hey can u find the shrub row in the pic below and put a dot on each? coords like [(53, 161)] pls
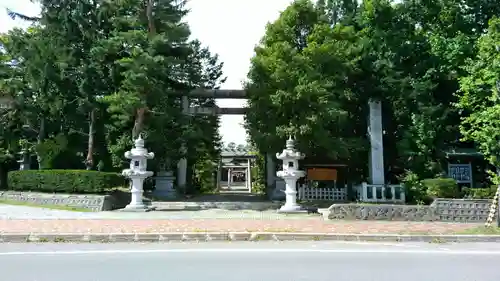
[(424, 191), (64, 181)]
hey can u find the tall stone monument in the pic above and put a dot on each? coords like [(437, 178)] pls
[(137, 173), (375, 134), (290, 174)]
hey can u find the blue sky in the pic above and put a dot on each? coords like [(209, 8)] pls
[(230, 28)]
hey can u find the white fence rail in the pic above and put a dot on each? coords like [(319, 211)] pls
[(329, 194), (380, 193), (370, 193)]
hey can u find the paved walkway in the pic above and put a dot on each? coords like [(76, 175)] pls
[(20, 219), (234, 225), (35, 213)]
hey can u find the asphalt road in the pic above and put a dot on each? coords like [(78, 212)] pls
[(247, 261)]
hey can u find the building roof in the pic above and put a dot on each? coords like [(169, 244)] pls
[(236, 152), (457, 152)]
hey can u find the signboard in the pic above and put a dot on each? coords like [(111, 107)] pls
[(462, 173), (322, 174)]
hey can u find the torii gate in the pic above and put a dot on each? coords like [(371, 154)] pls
[(188, 110), (375, 133)]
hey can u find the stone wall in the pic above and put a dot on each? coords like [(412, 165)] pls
[(466, 210), (448, 210), (95, 203)]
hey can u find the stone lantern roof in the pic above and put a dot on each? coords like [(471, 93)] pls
[(290, 152)]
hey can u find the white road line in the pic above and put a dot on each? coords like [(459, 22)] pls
[(263, 250), (403, 245)]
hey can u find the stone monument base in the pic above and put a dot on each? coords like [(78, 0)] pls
[(278, 192), (164, 187)]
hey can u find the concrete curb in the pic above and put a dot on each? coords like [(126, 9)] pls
[(236, 236)]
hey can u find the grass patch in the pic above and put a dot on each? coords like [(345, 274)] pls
[(481, 230), (53, 207)]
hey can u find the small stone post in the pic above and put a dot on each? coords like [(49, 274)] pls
[(290, 174), (137, 173), (24, 162)]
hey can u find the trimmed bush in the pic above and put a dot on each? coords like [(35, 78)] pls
[(481, 193), (441, 188), (64, 181)]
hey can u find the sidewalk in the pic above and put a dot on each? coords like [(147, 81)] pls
[(308, 225)]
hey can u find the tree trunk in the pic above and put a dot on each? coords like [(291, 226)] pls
[(149, 15), (89, 161), (139, 122), (141, 112), (40, 138)]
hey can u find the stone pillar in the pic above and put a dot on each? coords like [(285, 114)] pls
[(375, 133), (229, 177), (248, 175), (219, 175), (24, 162), (275, 185)]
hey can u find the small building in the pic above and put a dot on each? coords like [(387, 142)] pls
[(235, 169)]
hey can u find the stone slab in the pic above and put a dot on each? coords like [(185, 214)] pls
[(380, 212), (91, 202), (239, 236)]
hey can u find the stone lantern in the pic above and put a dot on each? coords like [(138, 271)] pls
[(290, 174), (137, 173)]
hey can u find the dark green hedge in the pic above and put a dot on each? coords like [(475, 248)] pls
[(64, 181)]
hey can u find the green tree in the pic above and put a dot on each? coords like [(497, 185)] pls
[(479, 96), (298, 82)]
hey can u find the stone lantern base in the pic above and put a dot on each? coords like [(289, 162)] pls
[(137, 209), (137, 203), (297, 209)]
